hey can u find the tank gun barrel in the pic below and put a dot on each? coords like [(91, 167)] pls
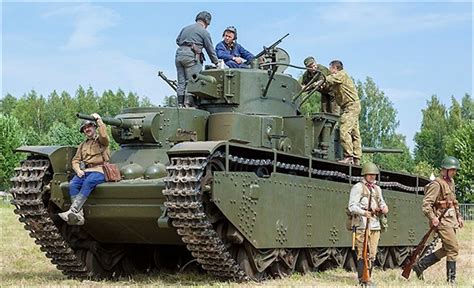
[(381, 150), (107, 120)]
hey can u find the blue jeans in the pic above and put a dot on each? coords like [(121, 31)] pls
[(85, 184)]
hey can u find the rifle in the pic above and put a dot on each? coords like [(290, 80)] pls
[(172, 83), (365, 257), (414, 255), (267, 49)]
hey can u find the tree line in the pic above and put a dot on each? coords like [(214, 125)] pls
[(33, 119)]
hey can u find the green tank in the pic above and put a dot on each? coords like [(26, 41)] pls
[(244, 185)]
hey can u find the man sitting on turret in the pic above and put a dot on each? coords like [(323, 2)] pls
[(232, 52)]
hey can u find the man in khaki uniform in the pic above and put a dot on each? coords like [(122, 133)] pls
[(313, 69), (87, 163), (440, 195), (344, 90), (359, 208)]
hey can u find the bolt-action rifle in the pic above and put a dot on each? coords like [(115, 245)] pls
[(419, 249), (365, 246)]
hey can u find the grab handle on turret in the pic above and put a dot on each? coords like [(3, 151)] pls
[(107, 120)]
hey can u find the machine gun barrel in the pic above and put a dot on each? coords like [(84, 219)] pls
[(107, 120), (265, 49), (205, 78), (171, 83), (381, 150)]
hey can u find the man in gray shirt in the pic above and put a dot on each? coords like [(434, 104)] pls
[(189, 56), (359, 208)]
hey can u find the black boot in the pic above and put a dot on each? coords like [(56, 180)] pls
[(180, 100), (424, 263), (360, 267), (451, 271)]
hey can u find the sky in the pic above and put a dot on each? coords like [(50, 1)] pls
[(411, 50)]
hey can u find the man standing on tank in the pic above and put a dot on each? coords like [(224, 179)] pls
[(343, 89), (359, 207), (232, 53), (87, 164), (440, 195), (314, 69), (189, 56)]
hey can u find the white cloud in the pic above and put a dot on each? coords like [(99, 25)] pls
[(89, 22)]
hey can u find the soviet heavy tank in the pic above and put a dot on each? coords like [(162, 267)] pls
[(244, 185)]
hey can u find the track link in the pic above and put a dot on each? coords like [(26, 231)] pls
[(29, 191), (186, 209)]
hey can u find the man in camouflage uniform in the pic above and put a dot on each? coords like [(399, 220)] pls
[(343, 89), (314, 69), (87, 164), (440, 195), (189, 55), (358, 207)]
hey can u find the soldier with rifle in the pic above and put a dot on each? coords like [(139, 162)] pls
[(441, 208), (366, 204)]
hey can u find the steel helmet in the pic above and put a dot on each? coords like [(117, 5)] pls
[(370, 168), (86, 123), (204, 16), (450, 162), (308, 61), (231, 29)]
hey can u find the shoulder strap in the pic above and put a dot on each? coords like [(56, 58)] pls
[(441, 187)]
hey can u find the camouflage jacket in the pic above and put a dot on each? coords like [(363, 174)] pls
[(343, 88)]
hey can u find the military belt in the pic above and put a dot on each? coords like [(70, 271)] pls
[(93, 165), (443, 204)]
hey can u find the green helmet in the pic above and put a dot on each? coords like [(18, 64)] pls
[(370, 168), (86, 123), (450, 162), (204, 16), (308, 61)]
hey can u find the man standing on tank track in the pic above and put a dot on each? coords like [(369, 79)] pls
[(343, 88), (439, 196), (189, 56)]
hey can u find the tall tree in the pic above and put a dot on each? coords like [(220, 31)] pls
[(169, 101), (378, 116), (12, 135), (8, 104), (30, 110), (467, 107), (429, 144), (460, 144)]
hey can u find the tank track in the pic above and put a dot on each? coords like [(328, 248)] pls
[(28, 193), (185, 207)]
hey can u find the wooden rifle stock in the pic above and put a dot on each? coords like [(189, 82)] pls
[(414, 255), (365, 256)]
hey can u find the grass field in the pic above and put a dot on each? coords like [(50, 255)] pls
[(23, 264)]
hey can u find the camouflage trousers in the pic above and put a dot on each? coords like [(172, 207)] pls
[(450, 247), (374, 237), (329, 105), (349, 130)]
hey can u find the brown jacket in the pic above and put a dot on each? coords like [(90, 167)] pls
[(440, 195), (90, 150), (343, 88)]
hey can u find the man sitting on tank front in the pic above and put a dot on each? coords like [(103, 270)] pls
[(87, 164), (233, 54)]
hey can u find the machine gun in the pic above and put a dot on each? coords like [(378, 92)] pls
[(172, 83), (268, 50), (419, 249)]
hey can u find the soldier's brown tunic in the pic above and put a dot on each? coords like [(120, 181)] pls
[(89, 151), (439, 195)]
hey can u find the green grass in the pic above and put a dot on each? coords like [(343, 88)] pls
[(23, 264)]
